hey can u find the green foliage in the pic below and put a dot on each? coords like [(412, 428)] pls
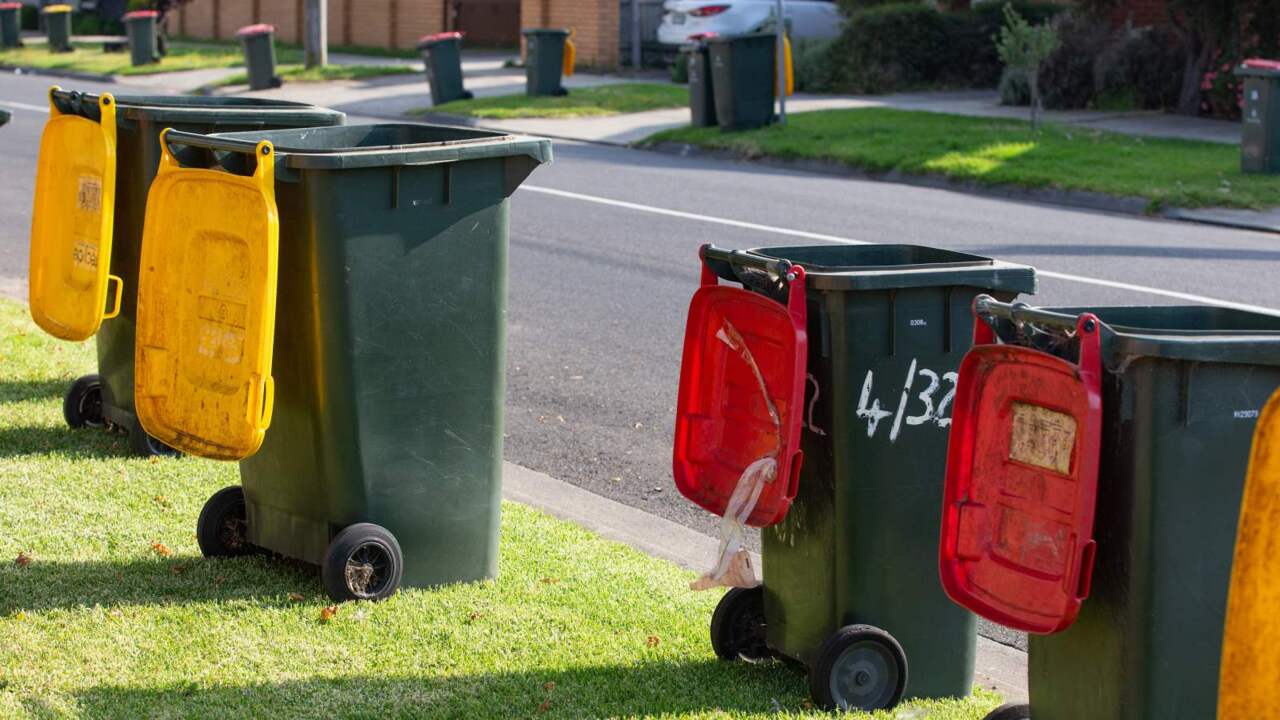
[(813, 64), (972, 59), (1023, 46), (1067, 76), (1147, 67), (680, 69), (852, 6), (1014, 88)]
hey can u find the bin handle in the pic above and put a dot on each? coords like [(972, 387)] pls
[(115, 307), (178, 137), (260, 412), (262, 150), (747, 268), (1085, 326)]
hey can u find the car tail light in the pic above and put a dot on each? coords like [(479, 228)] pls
[(708, 10)]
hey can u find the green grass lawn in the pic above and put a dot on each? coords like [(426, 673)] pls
[(112, 613), (583, 102), (988, 151), (300, 73), (89, 58)]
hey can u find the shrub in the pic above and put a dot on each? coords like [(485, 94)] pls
[(813, 65), (972, 59), (852, 6), (1014, 88), (1067, 78), (889, 48), (680, 69), (1145, 67)]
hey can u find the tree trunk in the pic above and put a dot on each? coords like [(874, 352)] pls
[(1033, 80), (1198, 54)]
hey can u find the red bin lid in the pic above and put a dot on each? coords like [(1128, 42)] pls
[(10, 6), (1261, 64), (742, 382), (1022, 478), (437, 37), (136, 14), (259, 29)]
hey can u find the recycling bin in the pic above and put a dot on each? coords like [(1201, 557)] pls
[(544, 61), (10, 24), (1180, 391), (57, 19), (141, 26), (259, 45), (383, 461), (442, 54), (98, 156), (743, 75), (702, 99), (1260, 131), (848, 586), (5, 117)]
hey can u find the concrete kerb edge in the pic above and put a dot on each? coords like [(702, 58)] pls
[(51, 72)]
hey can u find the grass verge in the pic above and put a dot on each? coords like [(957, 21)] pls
[(89, 58), (584, 102), (300, 73), (1167, 172), (112, 613)]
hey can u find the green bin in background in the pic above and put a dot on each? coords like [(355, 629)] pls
[(383, 464), (106, 397), (544, 61), (743, 74), (57, 19), (259, 45), (442, 56), (10, 24), (702, 98), (141, 26), (1260, 117), (1181, 393), (888, 325)]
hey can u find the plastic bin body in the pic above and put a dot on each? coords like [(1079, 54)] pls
[(389, 344), (742, 75), (702, 99), (888, 322), (57, 20), (1260, 129), (1181, 393), (259, 45), (141, 26), (139, 120), (544, 61), (10, 25), (442, 55)]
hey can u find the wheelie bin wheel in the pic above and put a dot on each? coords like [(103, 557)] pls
[(860, 667), (82, 405), (362, 563), (737, 626), (1010, 711), (146, 446), (223, 530)]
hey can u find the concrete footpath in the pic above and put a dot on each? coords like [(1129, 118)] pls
[(998, 667)]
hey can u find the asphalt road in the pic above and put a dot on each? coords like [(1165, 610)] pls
[(603, 262)]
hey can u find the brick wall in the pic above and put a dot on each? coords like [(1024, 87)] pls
[(594, 23), (373, 23), (1142, 13)]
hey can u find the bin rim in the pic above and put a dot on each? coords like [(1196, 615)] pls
[(257, 29), (1122, 343), (140, 15), (545, 31), (432, 39), (51, 9), (10, 6), (194, 108), (966, 270), (486, 144), (1259, 67)]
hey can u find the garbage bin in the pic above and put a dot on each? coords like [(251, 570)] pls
[(384, 457), (1260, 133), (702, 99), (89, 217), (1250, 674), (1181, 389), (849, 571), (5, 117), (141, 26), (442, 54), (57, 20), (259, 44), (10, 24), (544, 61), (743, 74)]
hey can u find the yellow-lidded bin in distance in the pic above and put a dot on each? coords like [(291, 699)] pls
[(71, 224), (1249, 682), (206, 306)]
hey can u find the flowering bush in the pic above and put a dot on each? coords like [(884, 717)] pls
[(1222, 93)]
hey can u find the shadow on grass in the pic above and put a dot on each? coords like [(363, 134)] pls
[(85, 443), (49, 585), (14, 391), (648, 688)]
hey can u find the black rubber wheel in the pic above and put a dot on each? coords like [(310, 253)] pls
[(363, 562), (223, 529), (738, 625), (860, 667), (82, 405), (1010, 711), (144, 445)]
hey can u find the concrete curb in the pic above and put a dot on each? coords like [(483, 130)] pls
[(998, 667), (68, 74)]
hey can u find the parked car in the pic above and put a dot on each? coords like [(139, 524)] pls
[(809, 19)]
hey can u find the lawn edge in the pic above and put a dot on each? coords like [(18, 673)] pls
[(54, 72)]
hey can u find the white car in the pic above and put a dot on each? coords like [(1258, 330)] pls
[(809, 19)]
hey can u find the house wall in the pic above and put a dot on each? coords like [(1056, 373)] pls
[(393, 24), (594, 23)]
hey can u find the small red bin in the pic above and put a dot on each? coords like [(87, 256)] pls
[(723, 421), (1017, 542)]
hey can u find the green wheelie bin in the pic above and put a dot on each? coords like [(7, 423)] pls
[(259, 45), (850, 573), (383, 463), (1260, 116), (743, 69), (1181, 392), (442, 56), (143, 46), (702, 97), (107, 397), (10, 24), (544, 61), (57, 20)]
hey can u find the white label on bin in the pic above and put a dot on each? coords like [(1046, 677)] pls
[(1042, 437)]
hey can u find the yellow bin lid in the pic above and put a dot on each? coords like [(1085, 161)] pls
[(56, 9), (1249, 679), (71, 222), (207, 307)]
